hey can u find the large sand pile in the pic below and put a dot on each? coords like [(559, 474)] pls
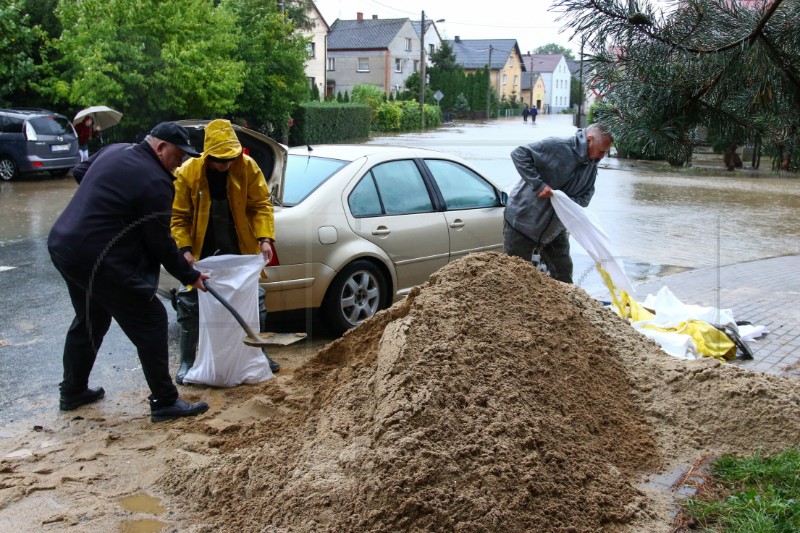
[(491, 399)]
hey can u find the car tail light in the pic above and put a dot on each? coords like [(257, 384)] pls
[(274, 261), (38, 164)]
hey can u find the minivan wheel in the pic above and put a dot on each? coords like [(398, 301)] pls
[(8, 168), (356, 294)]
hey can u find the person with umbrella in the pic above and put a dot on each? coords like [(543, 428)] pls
[(86, 130), (90, 122)]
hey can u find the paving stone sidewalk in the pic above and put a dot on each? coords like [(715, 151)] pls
[(764, 292)]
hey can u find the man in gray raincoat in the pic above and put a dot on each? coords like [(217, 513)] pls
[(565, 164)]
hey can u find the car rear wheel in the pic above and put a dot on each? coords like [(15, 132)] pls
[(8, 168), (357, 293)]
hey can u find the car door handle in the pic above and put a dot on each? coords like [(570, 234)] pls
[(457, 223), (381, 230)]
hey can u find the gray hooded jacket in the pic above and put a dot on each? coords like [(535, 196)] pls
[(561, 163)]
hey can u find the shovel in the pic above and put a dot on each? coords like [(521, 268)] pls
[(258, 340)]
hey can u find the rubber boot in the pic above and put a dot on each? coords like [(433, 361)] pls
[(188, 318), (273, 365), (186, 364)]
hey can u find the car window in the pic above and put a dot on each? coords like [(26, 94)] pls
[(461, 188), (50, 125), (364, 200), (401, 188), (12, 125), (304, 174)]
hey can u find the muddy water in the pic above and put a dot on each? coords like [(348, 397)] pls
[(659, 221)]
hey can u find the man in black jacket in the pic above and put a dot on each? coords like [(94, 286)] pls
[(108, 245)]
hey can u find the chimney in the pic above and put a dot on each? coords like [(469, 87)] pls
[(374, 17), (360, 16)]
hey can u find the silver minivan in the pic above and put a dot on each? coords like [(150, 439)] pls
[(36, 140)]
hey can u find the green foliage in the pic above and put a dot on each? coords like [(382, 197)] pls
[(322, 123), (339, 97), (274, 56), (461, 107), (444, 59), (151, 68), (755, 493), (17, 42), (730, 68), (346, 98), (388, 117), (373, 96), (553, 48), (314, 96)]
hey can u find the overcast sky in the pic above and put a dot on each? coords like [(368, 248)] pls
[(527, 21)]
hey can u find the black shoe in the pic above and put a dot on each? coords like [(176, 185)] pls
[(273, 365), (73, 401), (179, 409)]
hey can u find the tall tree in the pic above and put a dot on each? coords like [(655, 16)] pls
[(554, 48), (151, 59), (275, 56), (17, 40), (732, 66)]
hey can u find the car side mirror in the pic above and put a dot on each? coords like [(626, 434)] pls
[(503, 198)]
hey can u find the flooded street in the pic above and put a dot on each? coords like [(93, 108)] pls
[(659, 222)]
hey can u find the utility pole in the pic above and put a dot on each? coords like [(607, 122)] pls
[(422, 71), (531, 82), (489, 86)]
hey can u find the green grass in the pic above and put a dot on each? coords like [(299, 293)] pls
[(754, 494)]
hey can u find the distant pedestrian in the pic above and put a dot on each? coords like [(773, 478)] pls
[(525, 113), (534, 112), (86, 131)]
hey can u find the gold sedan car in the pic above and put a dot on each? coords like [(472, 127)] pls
[(358, 226)]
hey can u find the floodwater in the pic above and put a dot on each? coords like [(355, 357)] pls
[(657, 220)]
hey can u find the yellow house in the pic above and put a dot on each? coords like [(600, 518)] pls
[(502, 56), (537, 96)]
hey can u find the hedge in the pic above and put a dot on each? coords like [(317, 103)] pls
[(329, 122)]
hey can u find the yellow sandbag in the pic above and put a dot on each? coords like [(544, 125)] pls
[(710, 341)]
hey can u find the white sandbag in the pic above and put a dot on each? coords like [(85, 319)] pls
[(223, 360), (670, 311), (586, 230)]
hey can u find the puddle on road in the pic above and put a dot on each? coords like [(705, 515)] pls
[(148, 525), (142, 503)]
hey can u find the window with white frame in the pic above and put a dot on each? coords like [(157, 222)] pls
[(398, 65), (416, 65), (311, 49), (331, 64), (363, 64), (505, 79), (408, 45), (432, 49), (516, 79)]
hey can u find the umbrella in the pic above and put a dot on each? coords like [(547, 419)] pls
[(104, 117)]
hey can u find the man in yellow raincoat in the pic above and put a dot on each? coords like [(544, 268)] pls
[(222, 206)]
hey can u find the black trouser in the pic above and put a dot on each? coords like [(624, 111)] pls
[(143, 319), (555, 254)]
